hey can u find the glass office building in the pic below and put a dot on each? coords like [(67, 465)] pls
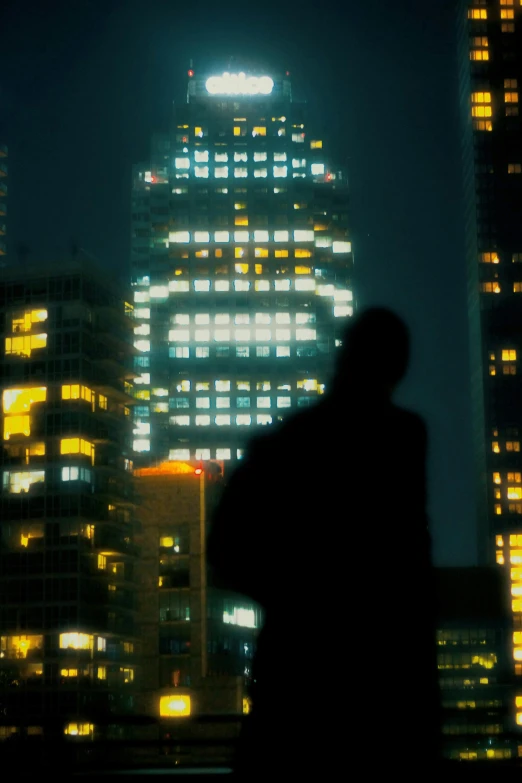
[(241, 268)]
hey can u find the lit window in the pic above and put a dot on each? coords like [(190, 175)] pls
[(511, 97), (202, 421), (241, 269), (201, 171), (179, 286), (17, 482), (77, 446), (509, 355), (283, 335), (261, 236), (490, 288), (179, 335), (182, 163), (201, 236), (305, 284), (282, 285), (202, 335), (258, 130), (263, 334), (201, 285), (222, 402), (280, 171), (282, 351), (222, 419), (263, 418), (303, 235), (141, 444), (477, 13), (281, 318), (201, 156), (180, 421), (284, 402), (317, 168), (20, 400), (240, 156), (221, 285), (222, 236), (259, 156), (489, 258), (263, 402), (221, 171), (260, 172), (262, 285), (76, 641), (222, 386), (222, 335), (177, 236), (479, 54), (305, 334), (341, 247), (23, 322), (240, 172), (481, 111), (241, 285), (241, 236), (24, 346), (514, 168)]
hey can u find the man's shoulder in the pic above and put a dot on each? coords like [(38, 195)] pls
[(409, 425)]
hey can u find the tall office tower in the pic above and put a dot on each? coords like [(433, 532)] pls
[(67, 636), (3, 202), (241, 267), (477, 682), (491, 78)]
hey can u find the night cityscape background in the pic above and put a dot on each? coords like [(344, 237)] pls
[(195, 201), (83, 85)]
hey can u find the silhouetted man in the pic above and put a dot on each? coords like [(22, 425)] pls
[(325, 525)]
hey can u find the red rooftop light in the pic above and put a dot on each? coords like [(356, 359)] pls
[(191, 72)]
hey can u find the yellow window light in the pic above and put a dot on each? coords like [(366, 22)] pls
[(20, 400), (75, 640), (17, 425), (174, 705), (23, 346), (23, 322)]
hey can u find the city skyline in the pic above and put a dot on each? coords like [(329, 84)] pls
[(372, 95)]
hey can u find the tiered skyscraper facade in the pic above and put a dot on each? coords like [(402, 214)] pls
[(68, 641), (241, 268)]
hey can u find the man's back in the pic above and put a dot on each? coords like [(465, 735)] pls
[(325, 526)]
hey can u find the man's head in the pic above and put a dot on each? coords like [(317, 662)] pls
[(375, 352)]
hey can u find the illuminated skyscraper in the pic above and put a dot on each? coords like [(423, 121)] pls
[(67, 616), (241, 267), (491, 78)]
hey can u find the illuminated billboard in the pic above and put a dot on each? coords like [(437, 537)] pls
[(239, 84)]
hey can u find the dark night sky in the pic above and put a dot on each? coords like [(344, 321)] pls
[(84, 83)]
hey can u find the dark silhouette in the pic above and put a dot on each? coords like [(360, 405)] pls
[(325, 525)]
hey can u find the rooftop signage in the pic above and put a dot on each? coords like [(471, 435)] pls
[(239, 84)]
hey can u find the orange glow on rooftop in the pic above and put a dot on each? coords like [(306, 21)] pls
[(168, 468)]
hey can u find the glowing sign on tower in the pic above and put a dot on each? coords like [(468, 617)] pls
[(239, 84)]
